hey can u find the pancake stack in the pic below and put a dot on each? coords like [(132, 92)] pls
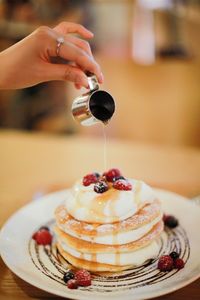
[(110, 231)]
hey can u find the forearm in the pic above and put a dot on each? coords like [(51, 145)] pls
[(10, 69), (4, 71)]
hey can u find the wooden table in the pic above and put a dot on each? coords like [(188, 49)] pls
[(32, 164)]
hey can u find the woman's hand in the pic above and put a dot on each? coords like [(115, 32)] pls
[(28, 62)]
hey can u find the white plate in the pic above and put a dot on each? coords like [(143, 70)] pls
[(142, 283)]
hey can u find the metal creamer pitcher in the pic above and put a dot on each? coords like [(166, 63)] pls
[(95, 106)]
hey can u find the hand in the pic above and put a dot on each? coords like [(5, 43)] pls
[(28, 62)]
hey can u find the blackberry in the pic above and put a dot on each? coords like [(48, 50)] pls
[(44, 228), (97, 174), (118, 177), (100, 187), (174, 255), (170, 221), (68, 275)]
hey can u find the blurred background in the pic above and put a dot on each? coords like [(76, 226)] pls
[(149, 51)]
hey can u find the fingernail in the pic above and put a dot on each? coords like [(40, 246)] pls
[(91, 32)]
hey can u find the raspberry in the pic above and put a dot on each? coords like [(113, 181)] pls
[(72, 284), (111, 174), (122, 185), (34, 235), (170, 221), (68, 275), (42, 237), (100, 187), (165, 263), (83, 277), (90, 178), (179, 263), (174, 255)]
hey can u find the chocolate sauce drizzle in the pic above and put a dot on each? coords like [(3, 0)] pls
[(50, 262)]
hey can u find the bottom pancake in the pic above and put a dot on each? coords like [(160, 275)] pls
[(90, 266)]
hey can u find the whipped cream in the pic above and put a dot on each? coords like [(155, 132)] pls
[(84, 204)]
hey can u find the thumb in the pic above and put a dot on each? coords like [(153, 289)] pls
[(66, 73)]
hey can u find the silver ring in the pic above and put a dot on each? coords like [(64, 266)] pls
[(60, 41)]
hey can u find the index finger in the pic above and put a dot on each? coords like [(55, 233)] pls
[(69, 27)]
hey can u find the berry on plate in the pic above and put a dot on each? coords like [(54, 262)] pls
[(122, 185), (68, 275), (179, 263), (111, 174), (174, 255), (72, 284), (170, 221), (83, 277), (42, 237), (165, 263)]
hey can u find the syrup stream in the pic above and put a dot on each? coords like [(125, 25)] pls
[(104, 147)]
